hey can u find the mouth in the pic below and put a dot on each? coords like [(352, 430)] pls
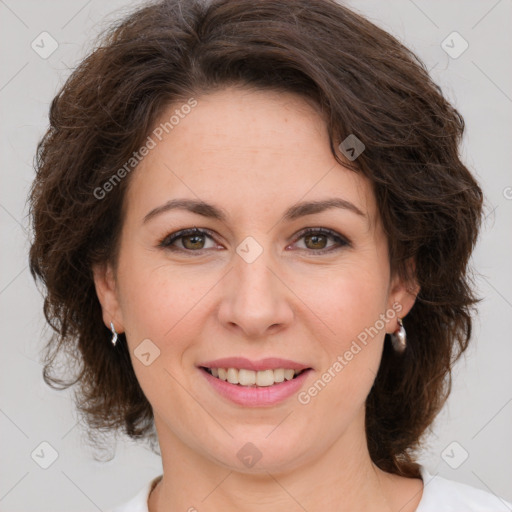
[(250, 383), (254, 379)]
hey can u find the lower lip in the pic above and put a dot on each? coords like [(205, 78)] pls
[(260, 396)]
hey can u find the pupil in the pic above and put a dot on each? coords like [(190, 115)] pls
[(315, 239), (196, 237)]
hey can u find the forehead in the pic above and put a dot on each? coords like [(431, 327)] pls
[(252, 151)]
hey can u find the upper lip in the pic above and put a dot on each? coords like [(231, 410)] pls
[(269, 363)]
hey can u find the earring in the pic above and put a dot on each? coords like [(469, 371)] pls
[(114, 334), (399, 338)]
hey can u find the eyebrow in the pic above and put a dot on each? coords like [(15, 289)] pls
[(214, 212)]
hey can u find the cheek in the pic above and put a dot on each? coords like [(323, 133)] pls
[(160, 309), (350, 300), (156, 299), (164, 304), (352, 306)]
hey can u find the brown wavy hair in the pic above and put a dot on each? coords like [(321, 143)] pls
[(364, 82)]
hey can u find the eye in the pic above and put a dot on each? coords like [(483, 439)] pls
[(192, 240), (316, 239)]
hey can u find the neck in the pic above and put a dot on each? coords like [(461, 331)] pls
[(343, 478)]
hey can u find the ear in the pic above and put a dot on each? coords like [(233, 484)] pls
[(402, 295), (107, 292)]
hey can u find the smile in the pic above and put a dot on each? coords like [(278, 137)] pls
[(255, 388), (251, 378)]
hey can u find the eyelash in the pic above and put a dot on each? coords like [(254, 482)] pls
[(168, 240)]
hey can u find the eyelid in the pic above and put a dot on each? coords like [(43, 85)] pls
[(181, 233), (342, 241)]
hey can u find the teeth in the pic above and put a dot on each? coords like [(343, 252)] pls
[(265, 378), (289, 374), (246, 377), (232, 376), (261, 378), (279, 375)]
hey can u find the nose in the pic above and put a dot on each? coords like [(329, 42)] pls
[(256, 300)]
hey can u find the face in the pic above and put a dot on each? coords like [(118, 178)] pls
[(261, 277)]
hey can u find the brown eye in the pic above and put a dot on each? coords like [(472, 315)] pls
[(193, 241), (316, 242)]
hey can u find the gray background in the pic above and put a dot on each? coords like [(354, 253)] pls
[(478, 415)]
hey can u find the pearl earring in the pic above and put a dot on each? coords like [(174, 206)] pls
[(114, 334), (399, 338)]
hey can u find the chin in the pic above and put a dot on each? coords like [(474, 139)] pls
[(258, 452)]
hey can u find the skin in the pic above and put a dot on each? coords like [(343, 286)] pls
[(254, 154)]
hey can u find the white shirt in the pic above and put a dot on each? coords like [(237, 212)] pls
[(439, 495)]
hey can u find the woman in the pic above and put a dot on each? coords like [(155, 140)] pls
[(254, 230)]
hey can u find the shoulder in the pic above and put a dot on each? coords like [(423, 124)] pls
[(443, 495), (139, 502)]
